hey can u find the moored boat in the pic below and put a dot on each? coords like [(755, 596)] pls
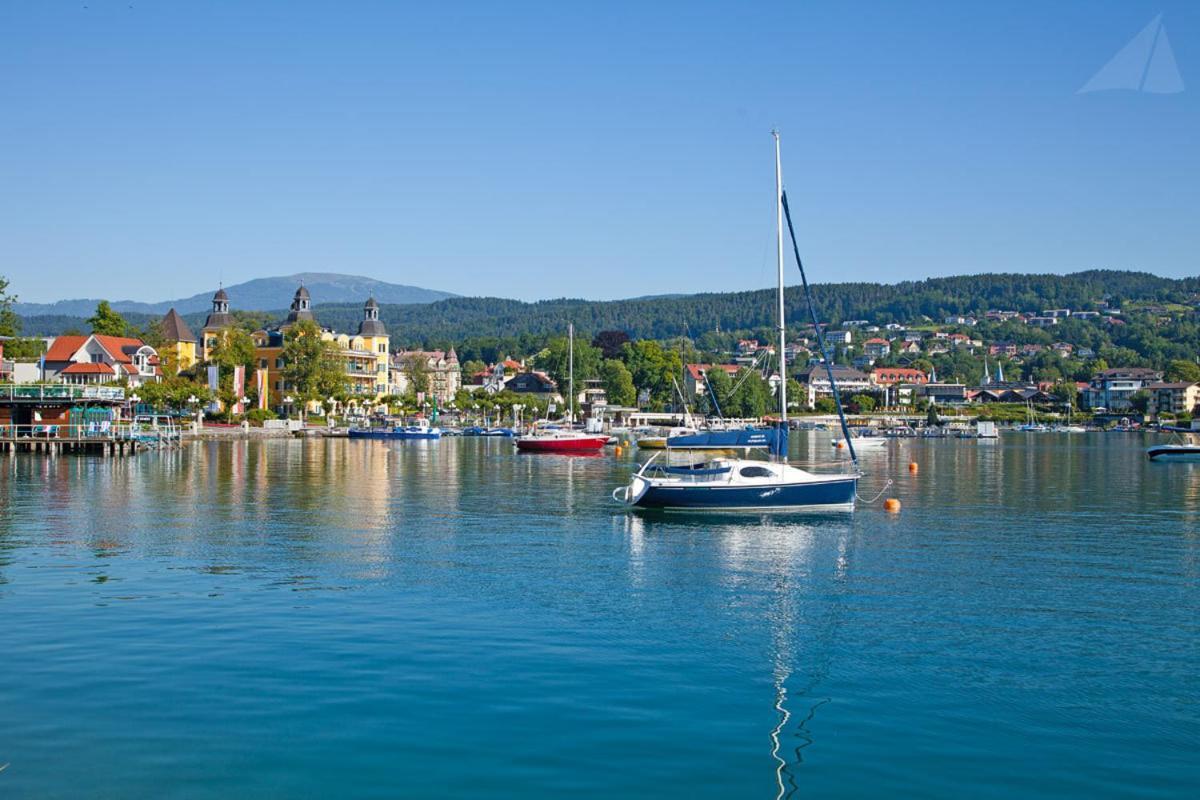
[(562, 441), (745, 484), (400, 432)]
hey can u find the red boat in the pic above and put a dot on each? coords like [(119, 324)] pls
[(561, 442)]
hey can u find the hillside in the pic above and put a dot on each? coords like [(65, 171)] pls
[(260, 293), (458, 318)]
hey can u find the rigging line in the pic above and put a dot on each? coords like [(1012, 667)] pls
[(812, 311)]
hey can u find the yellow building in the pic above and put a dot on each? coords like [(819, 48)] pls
[(178, 351), (218, 319), (364, 355)]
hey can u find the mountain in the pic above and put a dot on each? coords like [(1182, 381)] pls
[(258, 294)]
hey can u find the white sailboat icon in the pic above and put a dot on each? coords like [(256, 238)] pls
[(1146, 64)]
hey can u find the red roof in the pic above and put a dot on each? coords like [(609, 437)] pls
[(898, 375), (697, 370), (85, 368), (877, 340), (64, 347)]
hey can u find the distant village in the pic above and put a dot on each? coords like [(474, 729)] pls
[(879, 368)]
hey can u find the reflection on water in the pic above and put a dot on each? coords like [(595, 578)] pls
[(312, 618)]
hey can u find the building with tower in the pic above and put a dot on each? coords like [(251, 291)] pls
[(178, 351), (218, 319)]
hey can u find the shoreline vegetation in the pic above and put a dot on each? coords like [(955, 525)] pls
[(1055, 332)]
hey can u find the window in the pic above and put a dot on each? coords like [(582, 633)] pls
[(262, 363), (279, 363), (757, 472)]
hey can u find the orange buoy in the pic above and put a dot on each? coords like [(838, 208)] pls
[(912, 467), (841, 445), (891, 505)]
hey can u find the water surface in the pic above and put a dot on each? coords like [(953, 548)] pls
[(451, 619)]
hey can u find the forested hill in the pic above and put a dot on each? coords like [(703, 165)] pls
[(458, 318)]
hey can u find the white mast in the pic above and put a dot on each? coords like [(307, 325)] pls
[(779, 260), (571, 372)]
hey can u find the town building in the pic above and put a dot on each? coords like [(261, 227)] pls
[(877, 348), (1111, 389), (179, 343), (442, 368), (1175, 398), (100, 359), (364, 355), (218, 320), (815, 378)]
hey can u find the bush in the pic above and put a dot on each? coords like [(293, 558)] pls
[(256, 416)]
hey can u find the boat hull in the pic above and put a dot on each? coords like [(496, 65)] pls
[(590, 444), (835, 494), (1169, 452), (394, 435)]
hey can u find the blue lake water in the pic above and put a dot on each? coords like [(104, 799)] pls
[(451, 619)]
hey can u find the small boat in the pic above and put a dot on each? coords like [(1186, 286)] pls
[(862, 442), (1174, 452), (554, 439), (400, 432), (745, 484), (562, 441)]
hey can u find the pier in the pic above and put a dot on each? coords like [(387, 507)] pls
[(65, 418)]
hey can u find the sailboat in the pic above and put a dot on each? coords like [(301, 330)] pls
[(564, 440), (745, 484)]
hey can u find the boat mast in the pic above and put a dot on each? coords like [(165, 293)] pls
[(783, 417), (571, 372)]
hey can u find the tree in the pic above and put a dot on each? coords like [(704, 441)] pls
[(1139, 401), (825, 405), (233, 347), (106, 322), (618, 383), (931, 417), (653, 368), (10, 323), (1183, 371), (555, 360), (312, 368), (863, 403), (611, 343), (416, 369), (720, 385)]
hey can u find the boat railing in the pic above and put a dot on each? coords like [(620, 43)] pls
[(66, 432)]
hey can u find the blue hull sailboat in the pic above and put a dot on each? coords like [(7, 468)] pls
[(745, 484)]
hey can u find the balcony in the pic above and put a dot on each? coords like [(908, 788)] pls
[(57, 392)]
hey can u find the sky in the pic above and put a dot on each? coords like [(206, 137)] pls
[(149, 150)]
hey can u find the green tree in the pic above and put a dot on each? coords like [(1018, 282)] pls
[(653, 368), (312, 366), (825, 405), (416, 369), (1182, 370), (863, 403), (10, 323), (106, 322), (233, 347), (555, 361), (1140, 401), (618, 383), (931, 416), (720, 385)]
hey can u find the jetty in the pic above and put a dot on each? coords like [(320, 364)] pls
[(66, 418)]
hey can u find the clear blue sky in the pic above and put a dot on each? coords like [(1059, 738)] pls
[(150, 149)]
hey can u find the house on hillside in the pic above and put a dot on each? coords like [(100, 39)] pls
[(877, 348), (815, 378), (695, 377)]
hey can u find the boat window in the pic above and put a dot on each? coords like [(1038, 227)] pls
[(756, 472)]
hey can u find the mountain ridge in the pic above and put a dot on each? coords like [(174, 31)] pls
[(255, 294)]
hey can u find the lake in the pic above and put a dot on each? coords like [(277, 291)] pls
[(451, 619)]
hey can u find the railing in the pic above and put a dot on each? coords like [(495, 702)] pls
[(88, 432), (31, 392)]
